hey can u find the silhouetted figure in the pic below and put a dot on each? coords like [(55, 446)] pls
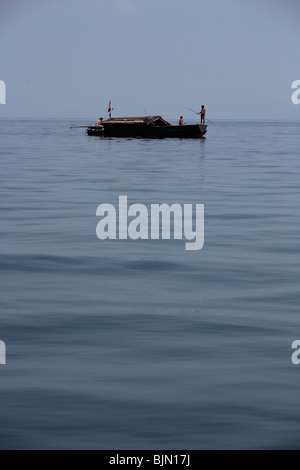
[(202, 114)]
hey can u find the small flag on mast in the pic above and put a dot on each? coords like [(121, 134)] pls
[(109, 110)]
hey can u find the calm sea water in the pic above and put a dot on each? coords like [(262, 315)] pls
[(143, 345)]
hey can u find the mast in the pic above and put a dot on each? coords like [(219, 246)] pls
[(109, 109)]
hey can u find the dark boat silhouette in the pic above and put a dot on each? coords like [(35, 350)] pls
[(148, 126)]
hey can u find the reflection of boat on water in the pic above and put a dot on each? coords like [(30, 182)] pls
[(149, 126)]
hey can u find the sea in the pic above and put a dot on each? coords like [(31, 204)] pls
[(142, 344)]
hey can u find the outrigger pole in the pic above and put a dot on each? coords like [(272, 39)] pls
[(73, 126)]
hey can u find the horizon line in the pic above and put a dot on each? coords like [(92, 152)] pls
[(93, 118)]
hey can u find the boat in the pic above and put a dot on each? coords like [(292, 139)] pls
[(147, 126)]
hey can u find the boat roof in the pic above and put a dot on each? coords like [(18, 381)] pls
[(135, 120)]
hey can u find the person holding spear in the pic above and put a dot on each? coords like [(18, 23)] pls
[(202, 114)]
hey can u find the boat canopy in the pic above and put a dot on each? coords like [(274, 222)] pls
[(155, 120)]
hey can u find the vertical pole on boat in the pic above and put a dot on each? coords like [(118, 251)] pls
[(109, 109)]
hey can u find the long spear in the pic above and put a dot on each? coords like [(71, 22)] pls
[(200, 113)]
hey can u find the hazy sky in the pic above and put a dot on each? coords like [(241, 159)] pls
[(68, 58)]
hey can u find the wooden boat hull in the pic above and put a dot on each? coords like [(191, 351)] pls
[(148, 131)]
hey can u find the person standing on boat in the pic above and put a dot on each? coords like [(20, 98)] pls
[(202, 114), (181, 121)]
